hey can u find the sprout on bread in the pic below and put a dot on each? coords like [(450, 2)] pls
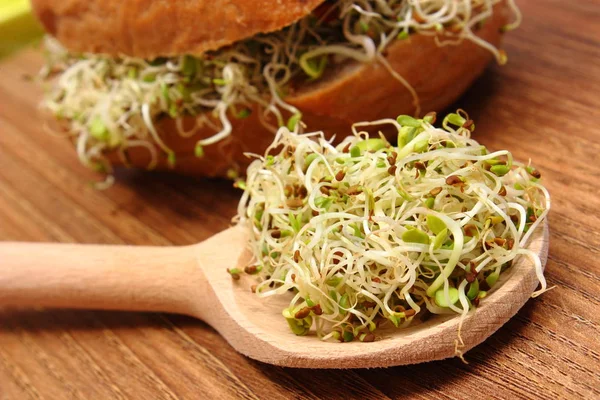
[(114, 103), (365, 234)]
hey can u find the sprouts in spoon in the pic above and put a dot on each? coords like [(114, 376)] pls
[(113, 103), (365, 234)]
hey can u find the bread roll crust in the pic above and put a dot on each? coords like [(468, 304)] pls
[(439, 75), (357, 92), (151, 28)]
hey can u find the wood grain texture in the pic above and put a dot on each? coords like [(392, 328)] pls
[(194, 280), (543, 105)]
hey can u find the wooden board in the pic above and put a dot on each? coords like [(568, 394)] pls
[(543, 105)]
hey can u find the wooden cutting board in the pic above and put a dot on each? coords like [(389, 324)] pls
[(545, 104)]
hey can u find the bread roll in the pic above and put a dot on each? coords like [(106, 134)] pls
[(148, 28), (355, 92)]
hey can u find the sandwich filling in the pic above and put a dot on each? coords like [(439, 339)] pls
[(113, 103)]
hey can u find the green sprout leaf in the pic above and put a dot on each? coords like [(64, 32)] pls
[(500, 170), (98, 130), (295, 222), (454, 119), (407, 120), (371, 145), (348, 336), (415, 236), (429, 203), (323, 202), (243, 113), (492, 278), (334, 281), (132, 73), (357, 230), (189, 66), (406, 135), (440, 298), (344, 303), (440, 238), (171, 159), (300, 327), (199, 150), (149, 78), (473, 290), (293, 121), (309, 159), (403, 35), (435, 224), (421, 146), (313, 67)]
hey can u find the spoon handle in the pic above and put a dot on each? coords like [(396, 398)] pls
[(106, 277)]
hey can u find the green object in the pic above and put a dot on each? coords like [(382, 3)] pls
[(334, 281), (421, 146), (300, 327), (435, 224), (492, 278), (440, 238), (189, 66), (132, 73), (344, 303), (455, 119), (323, 202), (171, 159), (407, 120), (295, 222), (395, 318), (199, 151), (98, 130), (244, 113), (500, 170), (473, 290), (415, 236), (405, 135), (440, 298), (313, 67), (367, 145), (357, 232), (18, 26), (348, 336), (149, 78), (293, 121), (429, 203), (309, 159)]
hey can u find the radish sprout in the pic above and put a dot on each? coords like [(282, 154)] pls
[(365, 234)]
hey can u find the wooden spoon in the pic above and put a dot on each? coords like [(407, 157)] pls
[(193, 280)]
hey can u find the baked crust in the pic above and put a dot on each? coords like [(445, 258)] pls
[(357, 92), (152, 28), (439, 75)]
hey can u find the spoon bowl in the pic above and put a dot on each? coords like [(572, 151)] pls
[(193, 280)]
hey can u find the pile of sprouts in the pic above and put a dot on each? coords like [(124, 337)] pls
[(113, 103), (364, 234)]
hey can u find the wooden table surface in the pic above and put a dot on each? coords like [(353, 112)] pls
[(543, 105)]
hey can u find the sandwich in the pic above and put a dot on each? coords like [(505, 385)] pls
[(193, 86)]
